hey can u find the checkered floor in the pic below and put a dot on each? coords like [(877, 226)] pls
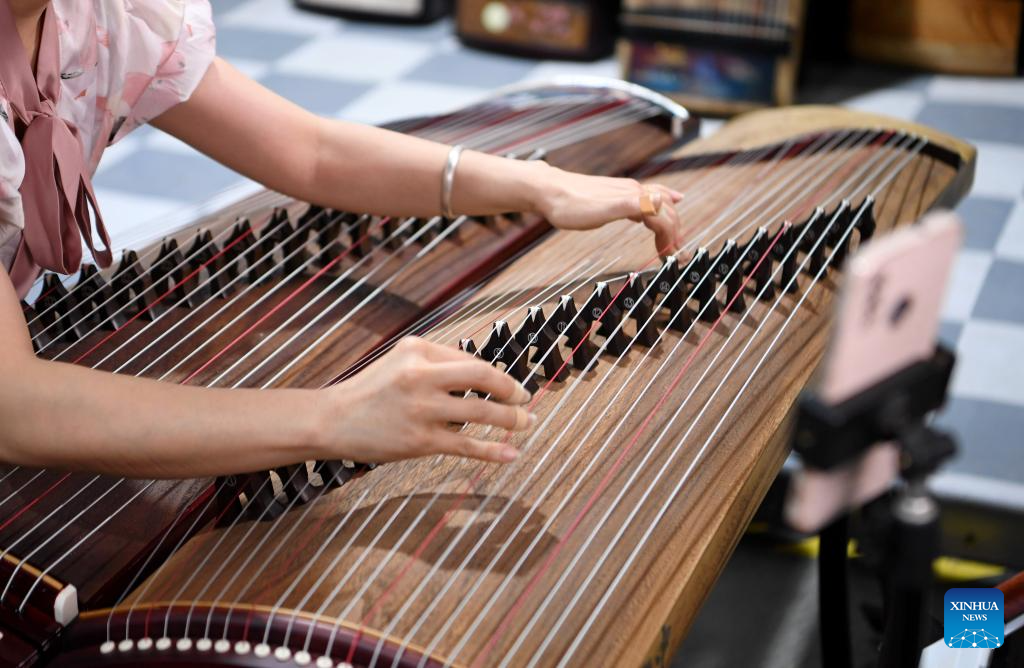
[(375, 73)]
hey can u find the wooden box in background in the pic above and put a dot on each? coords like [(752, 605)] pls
[(959, 36), (717, 57)]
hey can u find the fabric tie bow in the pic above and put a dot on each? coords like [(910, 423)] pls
[(57, 196)]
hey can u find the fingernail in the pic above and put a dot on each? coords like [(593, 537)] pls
[(523, 395), (531, 420), (509, 454)]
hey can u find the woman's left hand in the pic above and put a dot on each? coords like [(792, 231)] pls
[(573, 201)]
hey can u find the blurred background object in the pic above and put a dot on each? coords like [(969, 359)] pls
[(958, 36), (714, 57), (401, 11), (567, 29)]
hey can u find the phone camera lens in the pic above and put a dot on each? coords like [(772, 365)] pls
[(900, 311)]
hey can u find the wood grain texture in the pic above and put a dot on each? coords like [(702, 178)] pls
[(959, 36), (599, 544), (247, 340)]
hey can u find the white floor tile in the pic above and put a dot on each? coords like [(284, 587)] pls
[(989, 364), (279, 15), (1011, 241), (129, 217), (405, 99), (977, 90), (905, 104), (969, 274), (355, 58), (119, 151), (1000, 170)]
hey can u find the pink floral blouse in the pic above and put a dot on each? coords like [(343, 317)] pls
[(123, 62)]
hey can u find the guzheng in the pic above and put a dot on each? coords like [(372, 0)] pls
[(662, 384), (714, 56)]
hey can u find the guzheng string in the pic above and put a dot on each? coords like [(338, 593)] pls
[(679, 484), (329, 597), (568, 279), (566, 461), (499, 485), (228, 560), (653, 448), (556, 115)]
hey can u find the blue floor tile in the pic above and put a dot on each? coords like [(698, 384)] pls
[(252, 44), (949, 333), (321, 96), (984, 219), (987, 122), (988, 437), (1002, 295), (468, 68), (167, 175)]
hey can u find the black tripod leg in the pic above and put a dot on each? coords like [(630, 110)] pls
[(913, 548), (833, 596)]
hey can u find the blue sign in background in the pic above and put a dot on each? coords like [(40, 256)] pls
[(973, 618)]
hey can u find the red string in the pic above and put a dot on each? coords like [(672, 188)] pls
[(34, 501), (161, 297), (476, 478), (606, 480), (277, 307)]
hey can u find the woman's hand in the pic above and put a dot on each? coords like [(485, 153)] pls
[(573, 201), (400, 407)]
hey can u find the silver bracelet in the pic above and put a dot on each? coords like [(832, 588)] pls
[(448, 180)]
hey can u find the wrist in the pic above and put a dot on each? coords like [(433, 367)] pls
[(537, 187)]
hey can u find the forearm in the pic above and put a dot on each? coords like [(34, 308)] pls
[(370, 169), (69, 417)]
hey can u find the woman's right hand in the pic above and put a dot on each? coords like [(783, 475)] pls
[(400, 407)]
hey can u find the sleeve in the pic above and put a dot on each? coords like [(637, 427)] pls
[(12, 172), (175, 42)]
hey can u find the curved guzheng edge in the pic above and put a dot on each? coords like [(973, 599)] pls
[(582, 569), (603, 128)]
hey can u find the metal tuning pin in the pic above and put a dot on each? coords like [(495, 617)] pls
[(130, 285), (728, 267), (570, 324), (36, 327), (699, 275), (167, 277), (812, 230), (865, 219), (604, 308), (639, 307), (839, 235), (501, 347), (538, 332), (203, 259), (94, 304)]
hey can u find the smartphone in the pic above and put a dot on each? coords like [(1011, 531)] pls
[(888, 318)]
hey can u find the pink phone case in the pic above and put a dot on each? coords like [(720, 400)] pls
[(888, 318)]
